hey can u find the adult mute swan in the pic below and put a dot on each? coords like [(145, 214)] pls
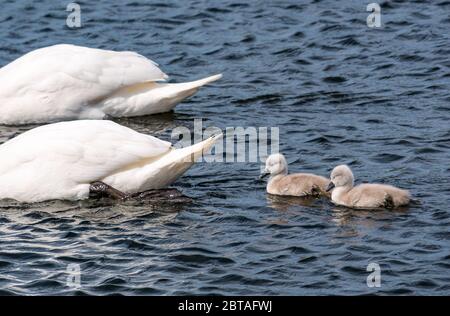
[(297, 184), (68, 160), (365, 196), (67, 82)]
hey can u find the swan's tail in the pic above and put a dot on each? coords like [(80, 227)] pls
[(190, 154), (198, 83), (163, 171), (177, 92), (151, 97), (171, 166)]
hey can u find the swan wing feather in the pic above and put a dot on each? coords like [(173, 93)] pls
[(78, 151), (77, 75)]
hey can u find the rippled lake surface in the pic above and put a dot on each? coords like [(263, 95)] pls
[(340, 92)]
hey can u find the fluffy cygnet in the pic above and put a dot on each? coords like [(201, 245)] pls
[(363, 195), (298, 184)]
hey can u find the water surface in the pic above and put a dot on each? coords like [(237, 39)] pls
[(340, 92)]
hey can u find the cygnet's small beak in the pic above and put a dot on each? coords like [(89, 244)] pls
[(264, 174), (330, 186)]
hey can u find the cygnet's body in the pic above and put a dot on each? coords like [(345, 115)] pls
[(364, 196), (298, 184)]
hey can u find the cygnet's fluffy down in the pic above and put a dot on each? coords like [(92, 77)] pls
[(298, 184), (365, 195)]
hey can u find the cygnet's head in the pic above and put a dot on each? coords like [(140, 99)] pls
[(275, 164), (341, 176)]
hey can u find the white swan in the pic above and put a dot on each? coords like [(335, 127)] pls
[(62, 160), (297, 184), (67, 82), (365, 196)]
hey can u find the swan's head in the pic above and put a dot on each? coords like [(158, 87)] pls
[(275, 164), (341, 176)]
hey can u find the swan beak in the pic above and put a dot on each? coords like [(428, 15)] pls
[(264, 174), (330, 186)]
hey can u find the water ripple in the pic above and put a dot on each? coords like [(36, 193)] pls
[(340, 92)]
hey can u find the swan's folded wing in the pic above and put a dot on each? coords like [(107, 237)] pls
[(79, 151), (79, 74)]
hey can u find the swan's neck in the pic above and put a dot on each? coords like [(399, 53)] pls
[(339, 194), (274, 178)]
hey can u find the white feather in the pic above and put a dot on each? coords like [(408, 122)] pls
[(59, 161), (65, 82)]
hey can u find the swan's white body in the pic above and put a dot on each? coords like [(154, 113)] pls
[(60, 160), (67, 82)]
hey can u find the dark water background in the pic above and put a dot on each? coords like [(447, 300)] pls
[(377, 99)]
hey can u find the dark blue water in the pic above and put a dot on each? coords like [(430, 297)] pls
[(340, 92)]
